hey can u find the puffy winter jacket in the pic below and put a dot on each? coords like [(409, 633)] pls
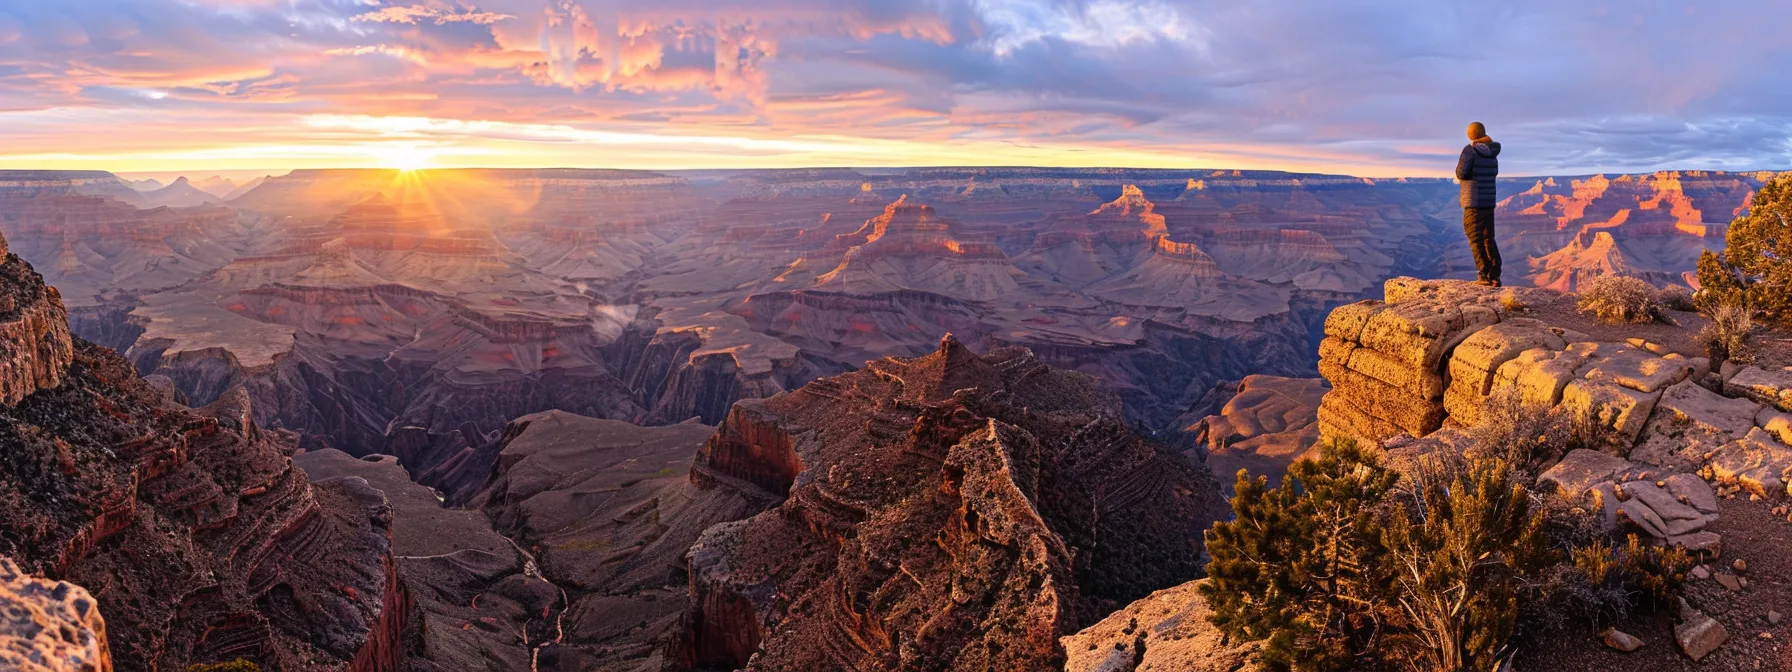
[(1477, 168)]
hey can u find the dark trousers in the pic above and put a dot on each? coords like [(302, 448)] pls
[(1478, 224)]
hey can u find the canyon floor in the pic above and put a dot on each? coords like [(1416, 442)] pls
[(919, 419)]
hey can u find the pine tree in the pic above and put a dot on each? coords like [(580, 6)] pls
[(1301, 566), (1756, 264)]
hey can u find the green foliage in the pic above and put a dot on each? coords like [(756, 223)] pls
[(1659, 571), (1755, 267), (1300, 566), (1465, 557), (1617, 299), (1347, 566), (238, 665)]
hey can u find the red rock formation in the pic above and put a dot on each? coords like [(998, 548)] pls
[(198, 538), (35, 345), (749, 447), (945, 510)]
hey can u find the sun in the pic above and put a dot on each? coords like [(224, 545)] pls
[(404, 158)]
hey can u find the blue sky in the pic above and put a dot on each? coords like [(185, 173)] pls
[(1369, 88)]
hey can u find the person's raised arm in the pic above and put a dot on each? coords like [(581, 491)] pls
[(1465, 164)]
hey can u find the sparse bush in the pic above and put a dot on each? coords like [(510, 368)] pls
[(1676, 297), (1467, 555), (1345, 566), (1756, 264), (1510, 300), (1729, 332), (1533, 437), (1617, 299)]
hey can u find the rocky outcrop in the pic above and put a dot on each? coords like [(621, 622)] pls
[(1386, 360), (1268, 424), (35, 345), (1413, 372), (49, 626), (202, 543), (1164, 631), (455, 580), (952, 507)]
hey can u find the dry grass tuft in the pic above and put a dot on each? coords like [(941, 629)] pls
[(1676, 297), (1616, 299), (1730, 333)]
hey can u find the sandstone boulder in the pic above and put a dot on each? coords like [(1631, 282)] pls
[(1620, 640), (1478, 358), (1619, 408), (1757, 462), (1624, 365), (1539, 375), (1167, 630), (1773, 388), (1686, 403), (1419, 333), (1694, 491), (1698, 634), (1658, 512), (49, 626), (1580, 470), (1690, 422), (1386, 361), (1706, 543), (1776, 422)]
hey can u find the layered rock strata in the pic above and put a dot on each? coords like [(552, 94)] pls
[(951, 509), (196, 536), (1413, 372)]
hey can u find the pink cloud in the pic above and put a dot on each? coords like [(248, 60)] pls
[(439, 15)]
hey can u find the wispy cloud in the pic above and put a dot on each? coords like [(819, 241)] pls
[(413, 14)]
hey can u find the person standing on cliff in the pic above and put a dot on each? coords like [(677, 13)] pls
[(1477, 169)]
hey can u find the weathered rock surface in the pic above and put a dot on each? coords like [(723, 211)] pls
[(35, 345), (1698, 634), (1387, 361), (936, 511), (49, 626), (1409, 389), (1166, 631), (1773, 388), (1620, 640), (201, 541), (462, 581), (1270, 423)]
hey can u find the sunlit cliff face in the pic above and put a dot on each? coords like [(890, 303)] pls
[(161, 85)]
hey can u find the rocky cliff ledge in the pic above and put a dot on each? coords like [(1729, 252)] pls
[(1430, 367), (1413, 372), (199, 540), (1431, 355), (35, 345)]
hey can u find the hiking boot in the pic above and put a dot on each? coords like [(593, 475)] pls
[(1494, 283), (1486, 283)]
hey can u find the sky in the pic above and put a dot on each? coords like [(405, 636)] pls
[(1340, 86)]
